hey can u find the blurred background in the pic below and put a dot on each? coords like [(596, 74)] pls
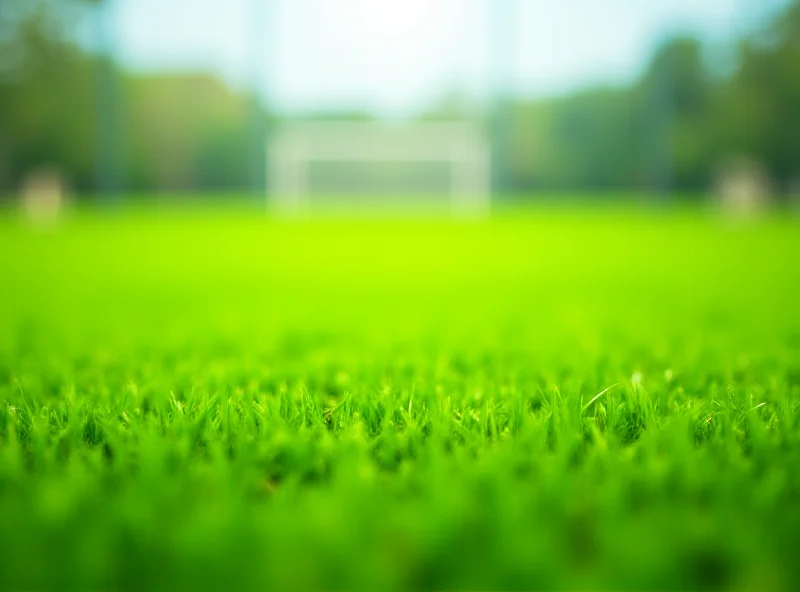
[(659, 99)]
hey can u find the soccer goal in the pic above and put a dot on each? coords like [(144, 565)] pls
[(383, 163)]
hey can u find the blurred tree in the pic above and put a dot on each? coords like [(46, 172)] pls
[(673, 102), (186, 133), (757, 109), (673, 127), (45, 101), (108, 169), (652, 135), (580, 141), (59, 108)]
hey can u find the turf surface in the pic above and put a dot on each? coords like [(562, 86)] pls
[(580, 399)]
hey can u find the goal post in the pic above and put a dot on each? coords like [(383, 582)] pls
[(461, 148)]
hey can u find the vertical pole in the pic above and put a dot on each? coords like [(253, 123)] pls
[(107, 112), (501, 64), (662, 118), (258, 127)]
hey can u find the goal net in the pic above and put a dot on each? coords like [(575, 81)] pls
[(373, 163)]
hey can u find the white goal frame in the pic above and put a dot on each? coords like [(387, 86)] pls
[(462, 146)]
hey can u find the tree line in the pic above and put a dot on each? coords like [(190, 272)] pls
[(670, 130)]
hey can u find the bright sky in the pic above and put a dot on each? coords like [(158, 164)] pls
[(395, 56)]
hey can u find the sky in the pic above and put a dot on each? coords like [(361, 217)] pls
[(394, 57)]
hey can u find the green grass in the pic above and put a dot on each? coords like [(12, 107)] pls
[(551, 399)]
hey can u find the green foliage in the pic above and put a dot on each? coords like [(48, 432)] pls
[(582, 140), (544, 400), (669, 130), (673, 127), (759, 105), (184, 132), (167, 132), (46, 117)]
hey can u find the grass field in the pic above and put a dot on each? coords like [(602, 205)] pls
[(550, 399)]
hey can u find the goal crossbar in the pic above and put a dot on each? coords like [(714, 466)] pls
[(461, 146)]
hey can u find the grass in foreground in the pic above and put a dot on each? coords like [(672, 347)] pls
[(544, 400)]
